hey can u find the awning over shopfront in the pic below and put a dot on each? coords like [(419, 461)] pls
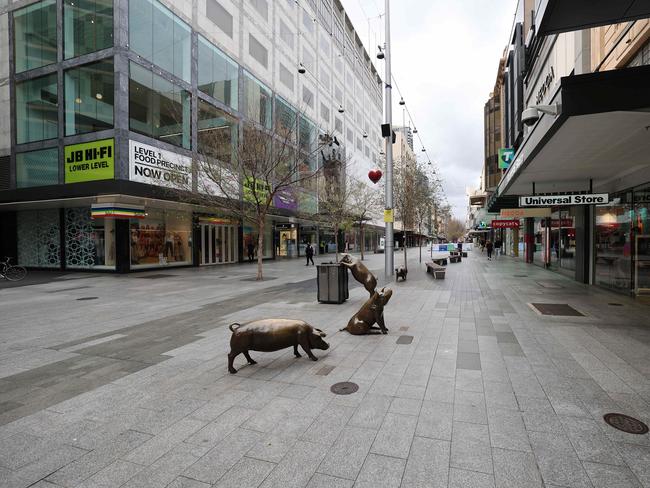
[(555, 16), (599, 142)]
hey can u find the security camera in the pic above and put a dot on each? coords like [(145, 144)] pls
[(531, 115)]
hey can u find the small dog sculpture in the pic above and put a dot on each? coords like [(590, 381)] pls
[(401, 273), (360, 273), (272, 335), (370, 313)]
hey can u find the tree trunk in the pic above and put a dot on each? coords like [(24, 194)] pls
[(363, 239), (260, 247), (336, 241), (405, 265), (420, 241)]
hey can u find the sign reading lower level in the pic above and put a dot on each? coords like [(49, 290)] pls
[(571, 199), (155, 166)]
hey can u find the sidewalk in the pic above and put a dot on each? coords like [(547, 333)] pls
[(131, 388)]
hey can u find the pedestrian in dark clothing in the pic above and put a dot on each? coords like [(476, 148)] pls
[(482, 244), (489, 247), (251, 252), (497, 247), (309, 252)]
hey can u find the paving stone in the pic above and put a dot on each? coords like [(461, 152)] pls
[(589, 441), (112, 476), (514, 469), (183, 482), (460, 478), (49, 463), (435, 420), (324, 481), (405, 406), (395, 436), (470, 407), (637, 459), (297, 467), (470, 447), (345, 458), (427, 464), (606, 476), (440, 389), (167, 468), (371, 412), (507, 430), (381, 471), (246, 473), (214, 432), (558, 462)]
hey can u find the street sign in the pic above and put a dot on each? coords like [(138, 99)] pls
[(570, 199), (521, 213), (506, 156), (388, 215), (505, 224)]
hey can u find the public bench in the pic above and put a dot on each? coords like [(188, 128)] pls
[(454, 258), (436, 270)]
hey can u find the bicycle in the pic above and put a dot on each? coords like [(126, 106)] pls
[(11, 272)]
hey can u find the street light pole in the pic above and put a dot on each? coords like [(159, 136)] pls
[(388, 240)]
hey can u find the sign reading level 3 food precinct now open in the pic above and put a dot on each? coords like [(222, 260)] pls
[(89, 161), (556, 200)]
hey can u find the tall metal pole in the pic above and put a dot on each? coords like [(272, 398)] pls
[(388, 243)]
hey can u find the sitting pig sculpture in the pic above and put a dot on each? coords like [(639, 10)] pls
[(272, 335), (360, 273), (370, 313)]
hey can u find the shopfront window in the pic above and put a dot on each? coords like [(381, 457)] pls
[(613, 243), (89, 243), (35, 35), (159, 36), (258, 101), (37, 109), (37, 168), (306, 136), (158, 108), (87, 25), (641, 229), (286, 240), (217, 136), (218, 74), (250, 237), (89, 97), (539, 242), (39, 238), (163, 238)]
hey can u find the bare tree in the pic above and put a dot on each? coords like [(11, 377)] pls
[(244, 179), (365, 202)]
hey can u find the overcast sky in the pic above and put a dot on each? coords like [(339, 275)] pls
[(445, 60)]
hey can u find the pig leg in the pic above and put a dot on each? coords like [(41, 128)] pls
[(249, 358), (231, 359), (295, 351), (380, 322), (303, 340)]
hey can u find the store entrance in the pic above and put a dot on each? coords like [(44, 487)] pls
[(642, 266), (218, 244)]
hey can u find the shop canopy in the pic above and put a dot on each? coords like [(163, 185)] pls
[(600, 141)]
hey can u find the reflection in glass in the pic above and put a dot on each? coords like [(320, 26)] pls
[(218, 74), (162, 239), (89, 98), (87, 25), (217, 135), (35, 35), (258, 101), (613, 244), (36, 109), (37, 168)]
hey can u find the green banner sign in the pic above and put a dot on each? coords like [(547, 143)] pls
[(90, 161), (506, 156), (255, 188)]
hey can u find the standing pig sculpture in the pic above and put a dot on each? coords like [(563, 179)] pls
[(370, 313), (272, 335), (360, 273)]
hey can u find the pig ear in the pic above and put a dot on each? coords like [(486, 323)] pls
[(320, 333)]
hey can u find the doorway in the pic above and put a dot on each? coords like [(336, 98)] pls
[(642, 266), (218, 244)]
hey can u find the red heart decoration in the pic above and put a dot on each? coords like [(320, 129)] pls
[(375, 175)]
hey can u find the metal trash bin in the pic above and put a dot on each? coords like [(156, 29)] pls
[(332, 280)]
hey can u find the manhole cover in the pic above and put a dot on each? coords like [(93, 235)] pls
[(86, 298), (559, 309), (615, 304), (625, 423), (404, 339), (344, 388)]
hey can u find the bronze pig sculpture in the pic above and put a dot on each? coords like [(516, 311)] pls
[(370, 313), (401, 273), (360, 273), (272, 335)]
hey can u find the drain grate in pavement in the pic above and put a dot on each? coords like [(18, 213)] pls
[(625, 423), (325, 370), (344, 388), (156, 276), (557, 309), (86, 298), (613, 304), (404, 339)]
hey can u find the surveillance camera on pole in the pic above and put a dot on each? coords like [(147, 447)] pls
[(531, 115)]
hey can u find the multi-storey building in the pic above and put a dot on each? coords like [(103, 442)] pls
[(576, 111), (105, 101)]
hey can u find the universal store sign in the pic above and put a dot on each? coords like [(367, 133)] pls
[(557, 200)]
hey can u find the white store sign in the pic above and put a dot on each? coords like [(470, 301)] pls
[(556, 200), (155, 166)]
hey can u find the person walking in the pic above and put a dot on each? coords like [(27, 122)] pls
[(309, 252), (489, 247), (482, 244), (251, 251), (498, 243)]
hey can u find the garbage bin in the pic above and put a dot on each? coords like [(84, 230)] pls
[(332, 282)]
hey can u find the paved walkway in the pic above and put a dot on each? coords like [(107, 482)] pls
[(131, 388)]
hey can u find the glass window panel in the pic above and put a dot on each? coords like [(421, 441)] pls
[(89, 98), (219, 16), (285, 119), (258, 51), (258, 101), (218, 74), (307, 135), (160, 36), (217, 135), (35, 35), (37, 168), (88, 26), (37, 109), (286, 77), (158, 108)]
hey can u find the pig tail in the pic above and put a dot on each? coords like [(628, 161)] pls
[(233, 325)]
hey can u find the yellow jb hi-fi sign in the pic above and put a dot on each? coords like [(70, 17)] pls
[(90, 161)]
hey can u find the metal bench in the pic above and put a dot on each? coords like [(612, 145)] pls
[(440, 261), (436, 270), (455, 259)]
